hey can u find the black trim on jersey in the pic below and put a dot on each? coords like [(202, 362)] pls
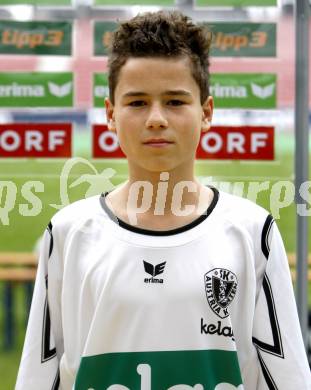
[(265, 236), (149, 232), (269, 380), (46, 352), (56, 382), (49, 229), (277, 347)]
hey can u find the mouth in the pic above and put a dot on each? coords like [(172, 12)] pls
[(158, 143)]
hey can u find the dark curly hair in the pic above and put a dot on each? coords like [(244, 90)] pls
[(161, 34)]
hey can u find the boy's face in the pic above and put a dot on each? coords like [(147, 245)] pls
[(158, 98)]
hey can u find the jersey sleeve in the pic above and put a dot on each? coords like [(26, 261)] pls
[(43, 347), (276, 331)]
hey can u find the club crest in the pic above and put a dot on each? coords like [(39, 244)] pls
[(220, 287)]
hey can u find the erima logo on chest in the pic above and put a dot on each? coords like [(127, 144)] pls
[(154, 270)]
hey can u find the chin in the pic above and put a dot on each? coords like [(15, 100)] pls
[(159, 166)]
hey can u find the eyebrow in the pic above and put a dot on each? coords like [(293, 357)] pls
[(175, 92)]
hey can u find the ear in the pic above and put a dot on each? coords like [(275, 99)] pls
[(110, 115), (207, 114)]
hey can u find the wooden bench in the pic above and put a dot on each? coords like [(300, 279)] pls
[(292, 263), (18, 267), (22, 266)]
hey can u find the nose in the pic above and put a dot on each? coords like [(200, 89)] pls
[(156, 118)]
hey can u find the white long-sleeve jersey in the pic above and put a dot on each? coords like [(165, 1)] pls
[(208, 306)]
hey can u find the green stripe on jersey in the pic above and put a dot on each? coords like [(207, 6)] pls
[(164, 370)]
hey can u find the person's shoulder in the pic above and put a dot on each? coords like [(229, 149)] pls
[(77, 213), (246, 219), (242, 211)]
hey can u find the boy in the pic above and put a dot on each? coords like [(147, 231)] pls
[(192, 293)]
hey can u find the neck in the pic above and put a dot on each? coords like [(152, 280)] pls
[(163, 193)]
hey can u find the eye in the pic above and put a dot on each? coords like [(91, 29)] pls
[(175, 102), (137, 103)]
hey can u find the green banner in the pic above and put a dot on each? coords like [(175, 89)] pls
[(236, 3), (102, 36), (230, 90), (100, 89), (243, 90), (36, 2), (229, 39), (243, 39), (36, 89), (35, 37)]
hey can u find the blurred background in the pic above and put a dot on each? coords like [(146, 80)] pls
[(52, 72)]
